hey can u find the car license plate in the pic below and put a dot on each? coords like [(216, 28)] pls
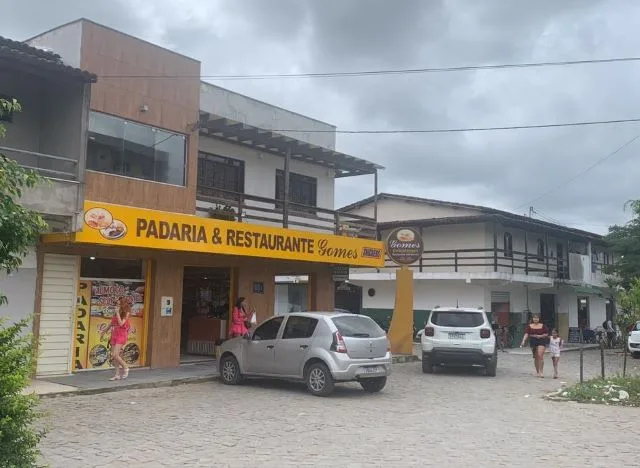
[(456, 336), (372, 370)]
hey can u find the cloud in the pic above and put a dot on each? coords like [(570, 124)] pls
[(500, 169)]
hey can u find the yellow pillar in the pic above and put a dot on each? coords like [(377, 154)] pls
[(401, 329)]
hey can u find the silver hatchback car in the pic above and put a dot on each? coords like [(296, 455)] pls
[(318, 348)]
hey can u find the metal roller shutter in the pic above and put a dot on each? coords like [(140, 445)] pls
[(58, 299)]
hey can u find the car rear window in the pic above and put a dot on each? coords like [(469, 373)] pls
[(357, 326), (456, 318)]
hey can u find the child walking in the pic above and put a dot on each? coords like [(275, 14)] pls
[(555, 346)]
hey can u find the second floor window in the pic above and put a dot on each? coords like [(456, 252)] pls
[(220, 177), (540, 253), (302, 190), (508, 245), (117, 146)]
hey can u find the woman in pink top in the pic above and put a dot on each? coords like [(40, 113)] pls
[(239, 319), (120, 327)]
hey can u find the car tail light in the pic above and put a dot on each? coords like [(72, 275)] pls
[(485, 333), (338, 344), (429, 331)]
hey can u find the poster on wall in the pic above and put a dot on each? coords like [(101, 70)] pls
[(81, 326), (101, 302)]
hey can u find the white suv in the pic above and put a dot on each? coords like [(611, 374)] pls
[(458, 336)]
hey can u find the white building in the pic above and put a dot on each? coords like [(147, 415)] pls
[(481, 257)]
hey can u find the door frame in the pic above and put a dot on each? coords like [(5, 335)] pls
[(554, 312)]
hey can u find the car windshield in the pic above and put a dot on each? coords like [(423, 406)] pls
[(456, 318), (357, 326)]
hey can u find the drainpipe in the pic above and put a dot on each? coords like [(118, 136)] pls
[(285, 204), (375, 195), (590, 261), (82, 157)]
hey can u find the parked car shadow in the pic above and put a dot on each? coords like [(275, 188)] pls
[(458, 371), (342, 390)]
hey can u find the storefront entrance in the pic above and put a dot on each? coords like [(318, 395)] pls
[(548, 310), (103, 282), (206, 302)]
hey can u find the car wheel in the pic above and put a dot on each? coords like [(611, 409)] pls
[(427, 365), (319, 379), (373, 385), (230, 371), (635, 355), (492, 368)]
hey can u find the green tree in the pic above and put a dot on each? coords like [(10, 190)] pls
[(624, 242), (19, 230), (628, 313)]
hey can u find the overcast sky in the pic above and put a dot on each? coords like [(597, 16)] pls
[(505, 170)]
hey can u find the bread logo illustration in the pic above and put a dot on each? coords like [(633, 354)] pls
[(406, 235)]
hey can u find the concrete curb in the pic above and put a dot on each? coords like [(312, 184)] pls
[(132, 386), (169, 383), (518, 351), (555, 396)]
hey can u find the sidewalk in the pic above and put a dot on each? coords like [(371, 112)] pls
[(526, 351), (567, 348), (93, 382)]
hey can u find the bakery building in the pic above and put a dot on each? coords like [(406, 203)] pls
[(190, 199)]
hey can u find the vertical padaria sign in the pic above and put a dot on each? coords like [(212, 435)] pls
[(404, 246)]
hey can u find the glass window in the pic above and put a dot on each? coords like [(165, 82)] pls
[(299, 327), (120, 147), (357, 326), (111, 268), (169, 158), (220, 177), (456, 319), (268, 330), (303, 190), (106, 143)]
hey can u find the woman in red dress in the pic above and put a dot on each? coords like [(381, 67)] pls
[(120, 327), (239, 319), (538, 335)]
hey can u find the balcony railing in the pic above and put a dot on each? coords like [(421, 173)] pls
[(484, 260), (243, 207), (53, 167)]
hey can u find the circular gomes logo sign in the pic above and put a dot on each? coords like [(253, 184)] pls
[(404, 246)]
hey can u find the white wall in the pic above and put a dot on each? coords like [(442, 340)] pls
[(400, 210), (64, 41), (426, 294), (20, 289), (452, 237), (260, 179), (224, 103)]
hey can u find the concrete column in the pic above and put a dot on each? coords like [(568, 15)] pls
[(321, 290)]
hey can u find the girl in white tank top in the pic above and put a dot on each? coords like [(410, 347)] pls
[(555, 346)]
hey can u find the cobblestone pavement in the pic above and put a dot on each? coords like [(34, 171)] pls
[(451, 419)]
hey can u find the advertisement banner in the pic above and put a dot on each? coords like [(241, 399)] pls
[(105, 295), (109, 224), (81, 325), (100, 349)]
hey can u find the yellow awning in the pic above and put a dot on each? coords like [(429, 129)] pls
[(118, 225)]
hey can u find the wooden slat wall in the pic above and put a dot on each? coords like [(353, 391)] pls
[(173, 105), (58, 298)]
